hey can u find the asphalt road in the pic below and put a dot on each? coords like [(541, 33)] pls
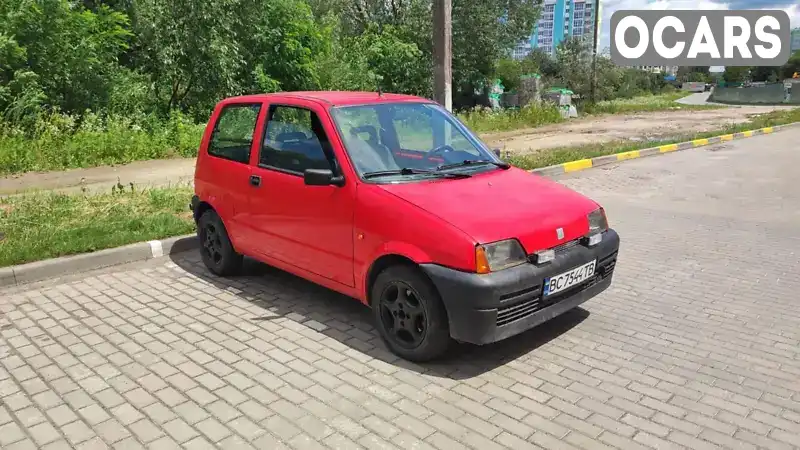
[(696, 345)]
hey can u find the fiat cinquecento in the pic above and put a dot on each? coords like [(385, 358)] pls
[(390, 199)]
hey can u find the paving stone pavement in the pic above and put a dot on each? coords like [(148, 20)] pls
[(695, 346)]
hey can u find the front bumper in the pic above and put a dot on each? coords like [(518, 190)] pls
[(495, 306)]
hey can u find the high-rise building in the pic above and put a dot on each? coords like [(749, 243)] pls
[(796, 39), (560, 19)]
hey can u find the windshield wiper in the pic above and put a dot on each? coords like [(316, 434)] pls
[(472, 162), (410, 171)]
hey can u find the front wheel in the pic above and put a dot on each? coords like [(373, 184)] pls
[(216, 248), (409, 314)]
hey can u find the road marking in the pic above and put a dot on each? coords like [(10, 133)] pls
[(668, 148), (747, 133), (157, 249), (726, 137), (700, 142), (574, 166), (767, 130), (628, 155)]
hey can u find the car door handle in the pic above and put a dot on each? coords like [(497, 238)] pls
[(255, 180)]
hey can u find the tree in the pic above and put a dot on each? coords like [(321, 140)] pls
[(541, 62), (694, 74), (483, 31), (767, 74), (736, 74), (574, 65), (792, 66), (67, 55), (197, 52), (509, 72)]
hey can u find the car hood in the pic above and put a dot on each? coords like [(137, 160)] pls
[(503, 204)]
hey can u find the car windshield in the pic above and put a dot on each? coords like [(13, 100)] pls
[(406, 141)]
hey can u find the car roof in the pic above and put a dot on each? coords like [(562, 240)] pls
[(333, 98)]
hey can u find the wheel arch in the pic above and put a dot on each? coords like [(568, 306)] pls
[(384, 262), (200, 207)]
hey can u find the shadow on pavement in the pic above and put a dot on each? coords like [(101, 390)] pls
[(285, 297)]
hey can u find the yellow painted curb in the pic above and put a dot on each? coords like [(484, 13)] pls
[(628, 155), (668, 148), (581, 164), (574, 166)]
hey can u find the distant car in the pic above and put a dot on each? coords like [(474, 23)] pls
[(392, 200)]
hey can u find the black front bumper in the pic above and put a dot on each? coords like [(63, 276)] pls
[(492, 307)]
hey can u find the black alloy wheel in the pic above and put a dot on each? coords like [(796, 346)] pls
[(216, 249), (403, 315), (409, 314)]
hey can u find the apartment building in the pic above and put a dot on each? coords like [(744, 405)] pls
[(560, 19)]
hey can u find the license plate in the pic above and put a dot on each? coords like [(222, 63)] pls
[(568, 279)]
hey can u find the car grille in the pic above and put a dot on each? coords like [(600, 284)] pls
[(528, 301), (561, 248)]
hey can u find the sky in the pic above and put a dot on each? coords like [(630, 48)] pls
[(792, 7)]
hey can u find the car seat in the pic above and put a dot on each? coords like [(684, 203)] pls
[(381, 151)]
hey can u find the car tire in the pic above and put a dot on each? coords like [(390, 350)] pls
[(409, 314), (215, 246)]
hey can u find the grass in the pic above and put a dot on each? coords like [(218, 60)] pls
[(648, 103), (559, 155), (47, 225), (487, 120)]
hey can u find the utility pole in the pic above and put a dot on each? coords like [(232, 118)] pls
[(442, 53), (595, 40)]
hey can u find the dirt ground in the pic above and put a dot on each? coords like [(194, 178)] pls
[(636, 127), (640, 126)]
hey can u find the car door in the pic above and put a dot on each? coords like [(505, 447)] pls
[(310, 227), (224, 173)]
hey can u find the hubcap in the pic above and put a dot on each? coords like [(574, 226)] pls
[(212, 245), (403, 315)]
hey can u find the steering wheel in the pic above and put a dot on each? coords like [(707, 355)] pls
[(443, 149)]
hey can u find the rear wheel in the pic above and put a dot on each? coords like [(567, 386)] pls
[(409, 314), (216, 248)]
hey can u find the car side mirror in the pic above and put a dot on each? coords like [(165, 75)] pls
[(497, 152), (322, 177)]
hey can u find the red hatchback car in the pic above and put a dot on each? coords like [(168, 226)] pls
[(392, 200)]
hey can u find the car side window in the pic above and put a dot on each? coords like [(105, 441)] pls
[(233, 133), (294, 141)]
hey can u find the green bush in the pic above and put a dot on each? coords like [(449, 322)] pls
[(62, 141)]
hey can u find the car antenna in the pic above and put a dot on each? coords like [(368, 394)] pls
[(380, 92)]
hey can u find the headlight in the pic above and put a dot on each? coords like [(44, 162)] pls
[(499, 255), (598, 223)]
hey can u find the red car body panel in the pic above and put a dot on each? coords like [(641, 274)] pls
[(496, 205), (332, 235)]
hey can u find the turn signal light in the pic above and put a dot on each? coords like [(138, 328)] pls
[(481, 262)]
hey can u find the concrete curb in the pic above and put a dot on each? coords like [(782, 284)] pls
[(583, 164), (51, 268)]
